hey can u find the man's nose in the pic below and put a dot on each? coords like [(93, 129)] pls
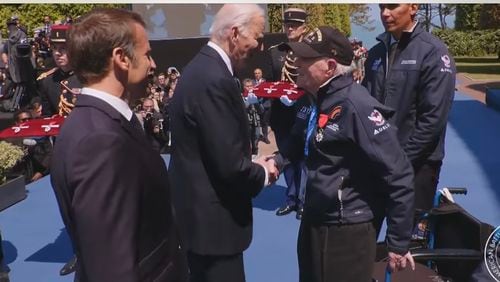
[(152, 64)]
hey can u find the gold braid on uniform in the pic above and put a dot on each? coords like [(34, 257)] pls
[(289, 70), (65, 107)]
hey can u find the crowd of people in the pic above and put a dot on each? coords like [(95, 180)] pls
[(365, 142)]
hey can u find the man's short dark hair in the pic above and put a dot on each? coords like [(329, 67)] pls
[(92, 39)]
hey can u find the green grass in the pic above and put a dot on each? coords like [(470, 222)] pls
[(479, 67)]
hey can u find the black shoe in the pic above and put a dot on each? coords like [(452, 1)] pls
[(69, 267), (284, 210), (300, 212)]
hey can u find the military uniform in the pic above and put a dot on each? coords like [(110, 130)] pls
[(283, 118), (53, 85), (55, 98)]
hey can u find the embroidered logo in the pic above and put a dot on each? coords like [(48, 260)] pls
[(409, 62), (377, 118), (333, 127), (446, 60), (335, 113), (376, 63)]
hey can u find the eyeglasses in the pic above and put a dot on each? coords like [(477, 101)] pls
[(25, 119)]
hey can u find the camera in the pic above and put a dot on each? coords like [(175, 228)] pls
[(148, 116), (158, 89)]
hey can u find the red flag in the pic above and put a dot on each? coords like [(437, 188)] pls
[(34, 128), (276, 90)]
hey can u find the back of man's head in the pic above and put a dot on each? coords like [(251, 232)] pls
[(233, 15), (93, 38)]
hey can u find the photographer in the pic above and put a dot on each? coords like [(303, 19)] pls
[(153, 122)]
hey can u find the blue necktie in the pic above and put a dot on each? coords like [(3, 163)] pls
[(310, 128)]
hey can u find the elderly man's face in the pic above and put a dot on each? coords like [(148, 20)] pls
[(294, 30), (313, 72), (245, 42)]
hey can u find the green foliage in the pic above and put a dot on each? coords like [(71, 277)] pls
[(336, 15), (467, 16), (9, 156), (360, 15), (490, 16), (31, 15), (475, 43)]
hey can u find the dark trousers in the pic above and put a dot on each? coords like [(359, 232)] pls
[(204, 268), (295, 177), (425, 184), (331, 253)]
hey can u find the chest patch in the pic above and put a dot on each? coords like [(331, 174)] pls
[(376, 63)]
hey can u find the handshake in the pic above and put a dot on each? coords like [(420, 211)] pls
[(270, 166)]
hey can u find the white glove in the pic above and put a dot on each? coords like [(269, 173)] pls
[(252, 99), (286, 101)]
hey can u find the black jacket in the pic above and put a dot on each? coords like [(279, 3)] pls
[(211, 168), (354, 156), (113, 193), (419, 86)]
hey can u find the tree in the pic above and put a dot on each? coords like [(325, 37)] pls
[(489, 17), (467, 16), (360, 15), (428, 12), (31, 15), (336, 15)]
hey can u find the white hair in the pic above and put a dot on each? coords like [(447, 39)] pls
[(234, 15), (342, 69)]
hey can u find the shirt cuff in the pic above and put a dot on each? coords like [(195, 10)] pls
[(266, 180)]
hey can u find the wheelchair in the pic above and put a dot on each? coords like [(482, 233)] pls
[(449, 249)]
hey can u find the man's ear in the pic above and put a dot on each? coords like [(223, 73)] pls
[(120, 59), (413, 9), (235, 33), (332, 66)]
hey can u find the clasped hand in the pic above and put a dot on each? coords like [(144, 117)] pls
[(270, 164), (398, 262)]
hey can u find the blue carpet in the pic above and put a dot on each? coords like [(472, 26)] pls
[(36, 244)]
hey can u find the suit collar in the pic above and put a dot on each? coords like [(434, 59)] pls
[(208, 51), (115, 102), (96, 103), (222, 54)]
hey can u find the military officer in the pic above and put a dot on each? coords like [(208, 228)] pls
[(283, 116), (58, 87)]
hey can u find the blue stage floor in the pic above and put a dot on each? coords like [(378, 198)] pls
[(36, 244)]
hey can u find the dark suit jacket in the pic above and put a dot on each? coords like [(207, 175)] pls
[(211, 170), (113, 194)]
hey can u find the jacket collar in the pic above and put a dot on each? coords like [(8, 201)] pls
[(89, 101), (335, 85), (211, 52), (385, 37)]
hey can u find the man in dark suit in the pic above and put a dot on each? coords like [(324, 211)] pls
[(211, 169), (111, 186)]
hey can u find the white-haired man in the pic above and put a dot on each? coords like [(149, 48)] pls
[(211, 165), (349, 146)]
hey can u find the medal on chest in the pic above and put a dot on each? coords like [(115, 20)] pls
[(322, 120)]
